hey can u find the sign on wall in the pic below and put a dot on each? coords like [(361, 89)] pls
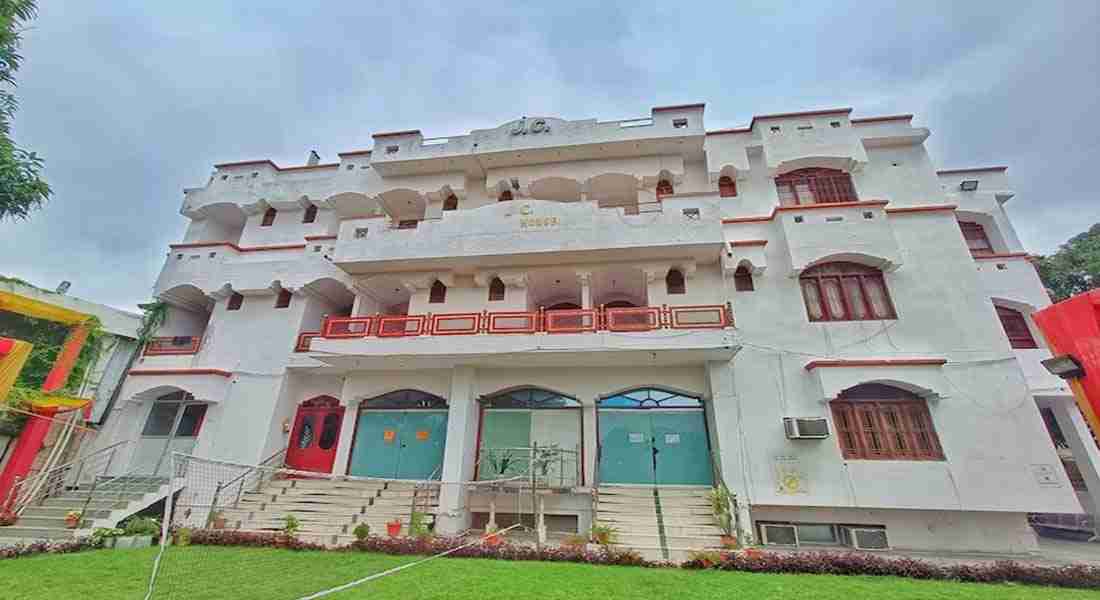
[(789, 477)]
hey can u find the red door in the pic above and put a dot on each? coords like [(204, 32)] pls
[(315, 436)]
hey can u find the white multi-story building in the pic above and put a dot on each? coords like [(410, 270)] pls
[(790, 308)]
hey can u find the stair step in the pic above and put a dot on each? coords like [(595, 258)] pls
[(58, 512), (36, 533)]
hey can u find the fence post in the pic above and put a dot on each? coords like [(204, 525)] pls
[(213, 505)]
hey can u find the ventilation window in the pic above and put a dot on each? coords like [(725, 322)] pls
[(674, 282), (451, 203), (392, 149), (798, 219), (408, 224), (834, 124), (179, 257), (727, 187), (235, 302), (976, 239), (269, 218), (316, 248), (212, 255), (691, 213), (969, 185), (255, 174), (360, 233), (775, 129), (351, 167), (496, 290), (805, 127), (868, 214), (1015, 326), (283, 299), (742, 279), (225, 177), (833, 219), (679, 123), (310, 214), (438, 293)]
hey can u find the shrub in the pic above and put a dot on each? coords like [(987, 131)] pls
[(361, 531), (606, 555), (249, 539), (65, 547), (101, 534), (603, 534), (292, 525), (141, 526), (574, 540)]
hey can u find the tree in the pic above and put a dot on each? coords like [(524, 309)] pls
[(1075, 267), (21, 188)]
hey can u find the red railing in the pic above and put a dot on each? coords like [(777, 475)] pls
[(643, 318), (167, 346)]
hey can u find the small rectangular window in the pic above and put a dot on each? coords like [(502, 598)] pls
[(679, 123), (805, 127), (269, 218), (691, 213), (834, 124), (235, 302), (283, 299), (407, 224), (775, 129), (360, 233), (392, 149)]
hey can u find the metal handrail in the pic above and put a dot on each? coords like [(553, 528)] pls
[(29, 490)]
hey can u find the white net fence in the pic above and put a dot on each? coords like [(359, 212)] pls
[(249, 531)]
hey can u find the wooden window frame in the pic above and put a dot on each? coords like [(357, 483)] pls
[(887, 429), (727, 187), (742, 280), (816, 276), (438, 293), (310, 214), (283, 299), (675, 283), (269, 217), (1016, 329), (235, 302), (977, 241), (664, 188), (496, 290), (826, 186)]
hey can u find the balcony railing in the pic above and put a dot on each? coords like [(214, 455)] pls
[(643, 318), (176, 345), (304, 339)]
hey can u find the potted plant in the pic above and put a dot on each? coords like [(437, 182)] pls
[(393, 528), (603, 534), (418, 528), (72, 519), (291, 526), (8, 517), (106, 537), (217, 520), (361, 532), (720, 502), (492, 538), (138, 532), (182, 536)]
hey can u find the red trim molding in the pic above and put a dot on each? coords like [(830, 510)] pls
[(1006, 255), (826, 205), (218, 372), (883, 119), (310, 167), (679, 106), (739, 243), (921, 209), (244, 163), (315, 238), (888, 362), (730, 130), (970, 170), (238, 248), (353, 153), (396, 133), (757, 219)]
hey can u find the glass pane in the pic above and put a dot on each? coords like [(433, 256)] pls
[(879, 303), (855, 298), (305, 436), (816, 534), (780, 535), (329, 430), (191, 420), (833, 297), (813, 300), (161, 418)]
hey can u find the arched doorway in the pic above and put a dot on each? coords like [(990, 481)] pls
[(172, 425), (529, 430), (315, 435), (400, 435), (652, 436)]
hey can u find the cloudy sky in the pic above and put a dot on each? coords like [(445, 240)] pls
[(129, 102)]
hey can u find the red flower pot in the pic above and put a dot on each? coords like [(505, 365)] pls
[(393, 528)]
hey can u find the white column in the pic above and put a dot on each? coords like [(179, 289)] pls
[(460, 454), (1076, 431), (586, 289), (724, 425)]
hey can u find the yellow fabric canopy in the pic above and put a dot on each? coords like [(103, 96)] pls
[(10, 365), (38, 309)]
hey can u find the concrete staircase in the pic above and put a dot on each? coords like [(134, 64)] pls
[(110, 504), (660, 523), (329, 510)]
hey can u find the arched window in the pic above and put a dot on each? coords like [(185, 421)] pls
[(310, 214), (650, 398), (742, 279), (1015, 326), (620, 304), (529, 397), (881, 422), (664, 188), (451, 203), (674, 282), (727, 187), (976, 239), (404, 400), (283, 299), (496, 290), (843, 291), (564, 306), (505, 196), (269, 218), (530, 431), (438, 293), (815, 186)]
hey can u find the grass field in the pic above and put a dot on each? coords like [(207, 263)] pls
[(254, 574)]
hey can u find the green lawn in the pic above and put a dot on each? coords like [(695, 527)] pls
[(246, 574)]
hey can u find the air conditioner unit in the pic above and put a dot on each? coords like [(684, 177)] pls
[(816, 428), (780, 534), (864, 538)]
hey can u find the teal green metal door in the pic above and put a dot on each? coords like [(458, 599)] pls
[(398, 444), (681, 450), (503, 432), (626, 447), (422, 437)]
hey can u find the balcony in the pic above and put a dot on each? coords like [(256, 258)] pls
[(582, 337), (533, 232), (173, 346), (791, 146), (212, 265), (856, 231)]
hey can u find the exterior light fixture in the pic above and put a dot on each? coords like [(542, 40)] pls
[(969, 185), (1064, 366)]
